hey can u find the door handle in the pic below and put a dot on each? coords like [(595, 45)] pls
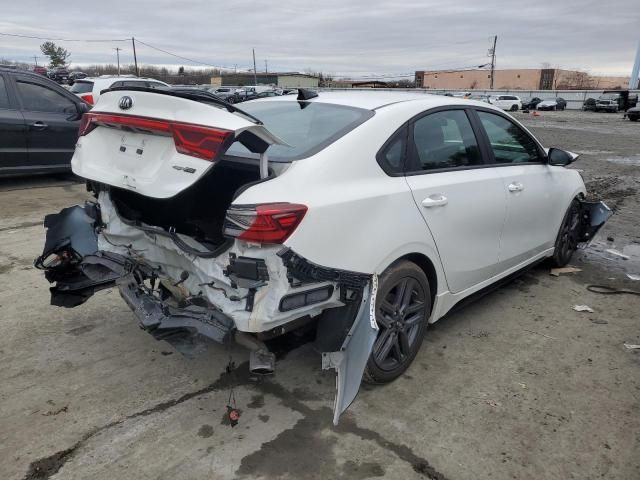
[(515, 187), (38, 125), (435, 200)]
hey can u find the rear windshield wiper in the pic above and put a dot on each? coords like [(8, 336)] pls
[(196, 96)]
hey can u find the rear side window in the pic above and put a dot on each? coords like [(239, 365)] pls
[(391, 156), (510, 143), (81, 87), (307, 127), (4, 96), (444, 140), (38, 98)]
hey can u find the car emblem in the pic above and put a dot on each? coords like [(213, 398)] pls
[(125, 103)]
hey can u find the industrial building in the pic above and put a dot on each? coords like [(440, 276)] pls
[(277, 79), (517, 79)]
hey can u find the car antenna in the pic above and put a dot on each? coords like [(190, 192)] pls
[(304, 94)]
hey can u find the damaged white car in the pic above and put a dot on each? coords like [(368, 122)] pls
[(362, 216)]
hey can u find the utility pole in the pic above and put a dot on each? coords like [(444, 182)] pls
[(117, 49), (255, 75), (493, 60), (266, 67), (135, 59), (35, 59)]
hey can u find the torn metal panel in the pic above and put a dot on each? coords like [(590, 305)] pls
[(594, 215), (351, 360)]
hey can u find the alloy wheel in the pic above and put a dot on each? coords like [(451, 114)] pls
[(399, 316)]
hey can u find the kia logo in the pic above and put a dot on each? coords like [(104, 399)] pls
[(125, 103)]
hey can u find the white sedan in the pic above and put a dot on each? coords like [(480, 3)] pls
[(364, 216)]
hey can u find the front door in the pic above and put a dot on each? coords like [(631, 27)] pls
[(531, 188), (13, 132), (463, 203), (52, 122)]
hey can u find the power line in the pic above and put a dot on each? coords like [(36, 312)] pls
[(181, 57), (65, 39)]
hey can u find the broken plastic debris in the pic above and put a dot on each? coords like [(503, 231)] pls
[(617, 253), (632, 346), (633, 276), (556, 272), (583, 308), (233, 414)]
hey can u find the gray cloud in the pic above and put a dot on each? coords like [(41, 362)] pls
[(351, 38)]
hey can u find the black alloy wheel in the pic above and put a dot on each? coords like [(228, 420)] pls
[(567, 240), (403, 305)]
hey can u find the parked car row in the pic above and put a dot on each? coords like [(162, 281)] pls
[(242, 94)]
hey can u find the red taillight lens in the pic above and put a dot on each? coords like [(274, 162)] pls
[(88, 98), (267, 223), (201, 142), (194, 140)]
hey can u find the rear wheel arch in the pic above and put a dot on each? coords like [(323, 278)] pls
[(427, 266)]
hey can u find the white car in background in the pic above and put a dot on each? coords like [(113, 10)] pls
[(88, 89), (511, 103), (361, 216)]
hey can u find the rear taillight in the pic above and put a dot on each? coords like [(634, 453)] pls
[(88, 98), (193, 140), (267, 223)]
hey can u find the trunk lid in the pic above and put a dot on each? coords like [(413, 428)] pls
[(158, 144)]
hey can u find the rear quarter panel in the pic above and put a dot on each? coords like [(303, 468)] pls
[(358, 217)]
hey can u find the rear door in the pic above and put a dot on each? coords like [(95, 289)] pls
[(462, 202), (52, 121), (532, 189), (13, 131)]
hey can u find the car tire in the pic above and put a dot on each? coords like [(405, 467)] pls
[(633, 118), (566, 242), (403, 306), (514, 108)]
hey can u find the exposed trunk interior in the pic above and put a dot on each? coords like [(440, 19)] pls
[(198, 211)]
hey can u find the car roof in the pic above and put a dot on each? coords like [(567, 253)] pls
[(22, 72), (373, 100)]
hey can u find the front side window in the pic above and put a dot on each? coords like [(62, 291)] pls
[(509, 142), (444, 140), (38, 98), (4, 95)]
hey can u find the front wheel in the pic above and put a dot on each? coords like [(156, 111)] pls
[(567, 239), (403, 305), (514, 108)]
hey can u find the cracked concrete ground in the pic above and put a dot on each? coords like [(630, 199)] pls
[(515, 385)]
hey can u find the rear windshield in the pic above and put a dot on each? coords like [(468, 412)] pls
[(307, 127), (81, 87)]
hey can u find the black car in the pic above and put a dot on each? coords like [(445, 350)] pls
[(59, 74), (39, 123), (633, 114), (589, 105), (73, 76), (530, 103)]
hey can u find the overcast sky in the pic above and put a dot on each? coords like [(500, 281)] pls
[(346, 37)]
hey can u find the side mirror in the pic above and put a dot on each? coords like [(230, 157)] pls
[(560, 158)]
